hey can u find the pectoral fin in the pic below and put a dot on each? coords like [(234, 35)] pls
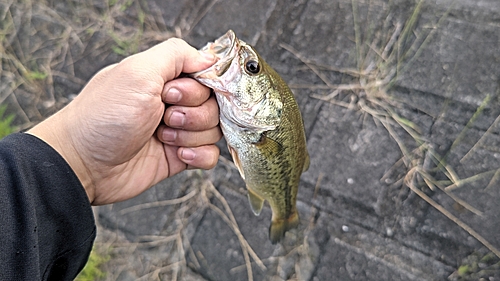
[(256, 202), (236, 160), (268, 147)]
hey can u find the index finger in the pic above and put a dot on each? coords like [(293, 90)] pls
[(185, 91)]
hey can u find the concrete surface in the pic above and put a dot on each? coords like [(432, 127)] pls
[(431, 68), (357, 224)]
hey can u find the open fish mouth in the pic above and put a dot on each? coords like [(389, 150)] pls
[(225, 48)]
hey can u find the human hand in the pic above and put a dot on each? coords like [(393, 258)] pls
[(111, 135)]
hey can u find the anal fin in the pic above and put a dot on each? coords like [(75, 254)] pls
[(256, 202)]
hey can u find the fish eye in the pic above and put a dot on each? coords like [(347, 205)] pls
[(252, 67)]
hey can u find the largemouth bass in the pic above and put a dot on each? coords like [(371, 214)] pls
[(263, 127)]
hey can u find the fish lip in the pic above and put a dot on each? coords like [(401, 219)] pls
[(225, 49)]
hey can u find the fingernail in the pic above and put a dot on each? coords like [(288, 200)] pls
[(169, 135), (177, 119), (188, 154), (173, 95)]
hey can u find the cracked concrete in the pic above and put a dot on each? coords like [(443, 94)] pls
[(359, 220)]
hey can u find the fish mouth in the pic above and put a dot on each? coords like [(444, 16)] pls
[(225, 49)]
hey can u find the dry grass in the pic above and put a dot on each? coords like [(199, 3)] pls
[(46, 46), (173, 257), (383, 55), (47, 53), (42, 44), (174, 242)]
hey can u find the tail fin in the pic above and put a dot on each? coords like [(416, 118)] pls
[(280, 226)]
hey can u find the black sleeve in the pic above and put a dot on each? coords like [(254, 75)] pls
[(47, 227)]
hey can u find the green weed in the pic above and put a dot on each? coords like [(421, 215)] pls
[(92, 270), (477, 266), (6, 127), (36, 75)]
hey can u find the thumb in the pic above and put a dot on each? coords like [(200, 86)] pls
[(170, 58)]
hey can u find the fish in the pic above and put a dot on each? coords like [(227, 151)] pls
[(263, 127)]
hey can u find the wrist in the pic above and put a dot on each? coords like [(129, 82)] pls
[(55, 134)]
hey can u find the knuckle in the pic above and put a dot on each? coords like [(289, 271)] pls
[(206, 119), (214, 157), (200, 120), (141, 78), (176, 42), (175, 46)]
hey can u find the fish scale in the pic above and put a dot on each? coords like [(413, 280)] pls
[(263, 127)]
